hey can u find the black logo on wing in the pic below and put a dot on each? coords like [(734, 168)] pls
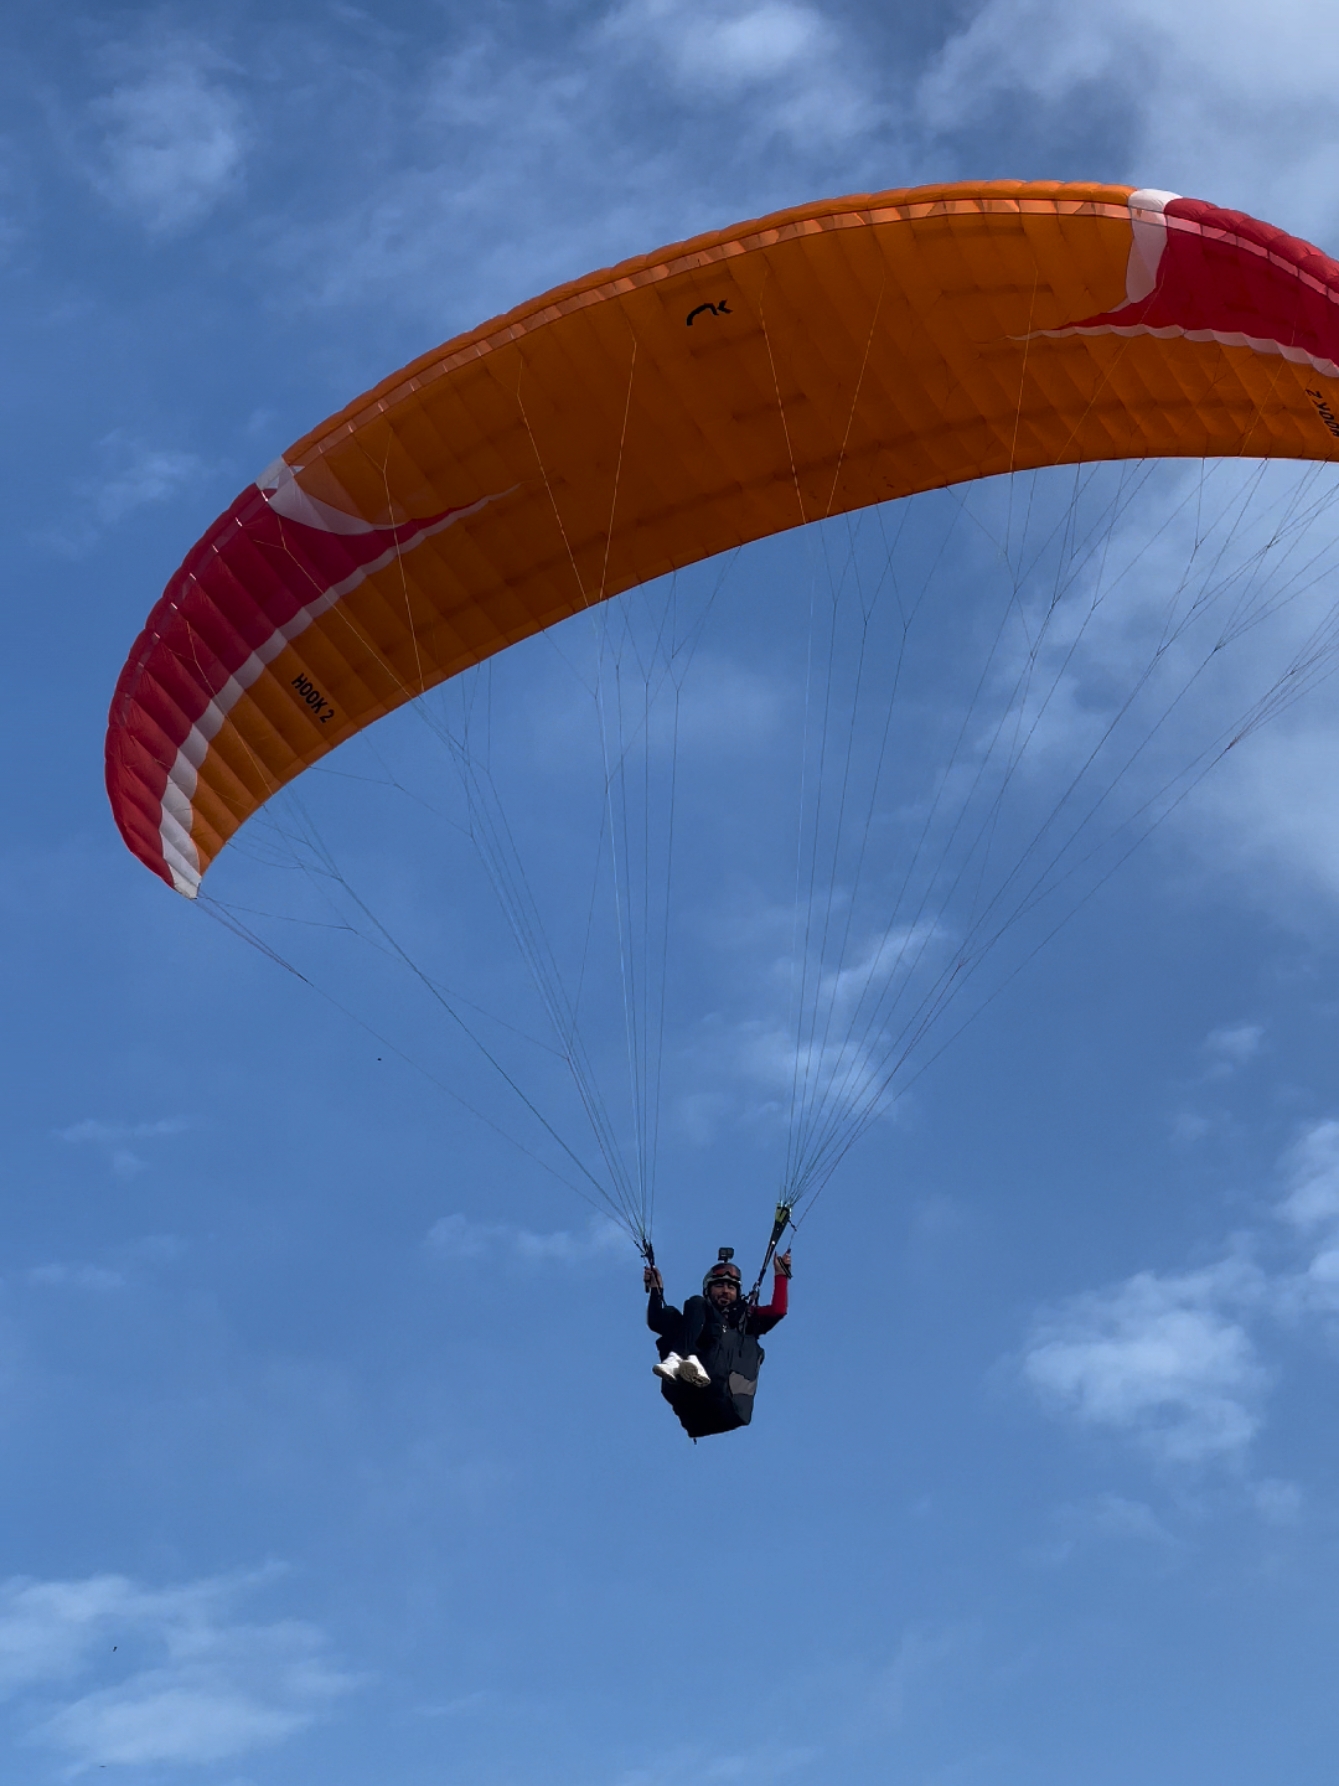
[(1323, 410), (321, 708), (721, 309)]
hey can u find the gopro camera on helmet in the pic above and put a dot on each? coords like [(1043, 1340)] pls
[(723, 1272)]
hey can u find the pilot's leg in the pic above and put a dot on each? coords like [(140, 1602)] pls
[(680, 1364)]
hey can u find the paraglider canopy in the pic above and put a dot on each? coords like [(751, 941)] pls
[(688, 401)]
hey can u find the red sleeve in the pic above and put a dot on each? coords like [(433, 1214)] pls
[(768, 1316)]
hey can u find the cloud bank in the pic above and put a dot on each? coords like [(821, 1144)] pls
[(1159, 1357), (1174, 1360), (209, 1686)]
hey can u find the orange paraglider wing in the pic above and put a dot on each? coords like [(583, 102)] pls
[(686, 402)]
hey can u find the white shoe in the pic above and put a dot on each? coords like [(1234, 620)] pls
[(669, 1368), (692, 1373)]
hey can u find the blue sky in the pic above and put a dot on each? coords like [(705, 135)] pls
[(331, 1450)]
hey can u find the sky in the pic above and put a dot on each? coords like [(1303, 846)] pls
[(331, 1450)]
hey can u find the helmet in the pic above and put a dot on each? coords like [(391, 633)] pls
[(723, 1272)]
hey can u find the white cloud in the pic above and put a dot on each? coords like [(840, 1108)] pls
[(1271, 814), (216, 1687), (109, 1134), (199, 1712), (457, 1237), (140, 476), (1311, 1202), (1184, 646), (127, 1262), (114, 1137), (1310, 1207), (649, 123), (1230, 1048), (1174, 1359), (130, 476), (1159, 1357), (1231, 101), (1233, 1046), (838, 1063), (173, 139), (736, 47), (492, 132), (790, 58), (77, 1277)]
